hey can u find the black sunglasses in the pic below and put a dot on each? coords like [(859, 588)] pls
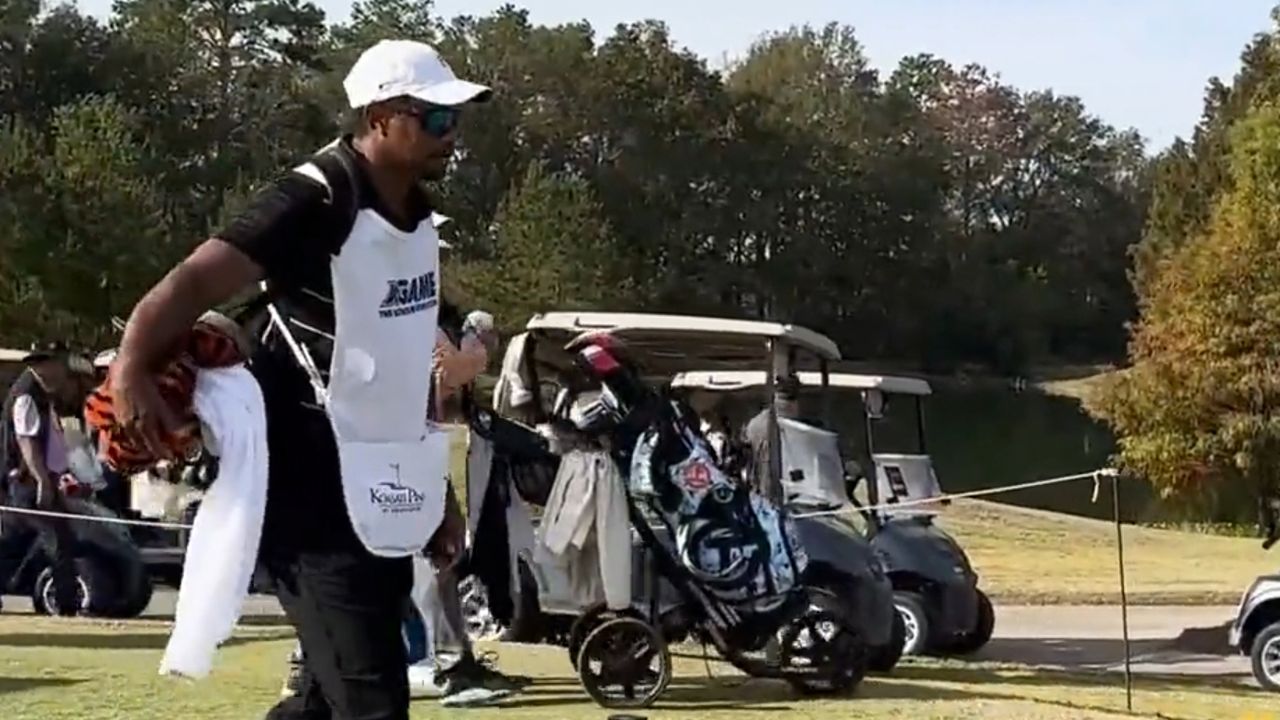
[(437, 121)]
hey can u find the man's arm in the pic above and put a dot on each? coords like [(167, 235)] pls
[(211, 275), (26, 423), (280, 230), (456, 367), (282, 226)]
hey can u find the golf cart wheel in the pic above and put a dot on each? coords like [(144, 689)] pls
[(590, 619), (1265, 655), (975, 640), (915, 620), (821, 652), (624, 663), (137, 602), (885, 658), (94, 590)]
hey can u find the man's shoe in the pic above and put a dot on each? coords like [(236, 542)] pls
[(470, 683), (425, 681), (485, 663)]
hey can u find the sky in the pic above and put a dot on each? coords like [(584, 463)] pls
[(1135, 63)]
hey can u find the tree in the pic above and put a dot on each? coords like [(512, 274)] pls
[(227, 90), (553, 247), (1198, 411), (82, 227), (936, 218), (1190, 176)]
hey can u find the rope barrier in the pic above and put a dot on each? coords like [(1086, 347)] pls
[(1095, 475), (94, 518)]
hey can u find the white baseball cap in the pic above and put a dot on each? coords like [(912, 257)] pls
[(395, 68)]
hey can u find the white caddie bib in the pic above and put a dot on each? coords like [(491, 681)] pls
[(386, 296)]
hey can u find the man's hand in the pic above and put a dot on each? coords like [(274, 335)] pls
[(140, 410), (481, 324), (69, 486), (446, 546)]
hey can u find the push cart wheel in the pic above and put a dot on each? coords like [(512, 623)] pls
[(624, 663), (590, 619), (822, 653)]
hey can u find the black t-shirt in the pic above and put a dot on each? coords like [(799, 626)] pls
[(293, 229)]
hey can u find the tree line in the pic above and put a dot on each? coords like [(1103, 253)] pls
[(931, 216)]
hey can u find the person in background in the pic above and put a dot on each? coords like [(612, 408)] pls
[(36, 472), (115, 494), (472, 680), (786, 402)]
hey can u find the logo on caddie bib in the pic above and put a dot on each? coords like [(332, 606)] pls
[(406, 296), (394, 497)]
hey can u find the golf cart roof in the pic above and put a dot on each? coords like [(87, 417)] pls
[(738, 380), (667, 344), (9, 355)]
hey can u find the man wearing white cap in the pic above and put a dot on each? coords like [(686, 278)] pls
[(349, 258)]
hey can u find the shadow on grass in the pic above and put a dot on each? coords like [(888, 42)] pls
[(118, 640), (1103, 659), (19, 684), (1062, 682), (908, 683), (1041, 677), (738, 694)]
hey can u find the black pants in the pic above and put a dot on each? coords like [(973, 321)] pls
[(347, 608), (23, 535)]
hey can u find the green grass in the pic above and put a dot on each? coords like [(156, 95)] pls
[(1040, 557), (64, 669)]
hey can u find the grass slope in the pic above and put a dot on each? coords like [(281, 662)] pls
[(60, 670), (1033, 556)]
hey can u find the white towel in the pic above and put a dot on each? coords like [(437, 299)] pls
[(223, 546), (586, 530)]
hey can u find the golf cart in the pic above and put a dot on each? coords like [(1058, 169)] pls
[(935, 588), (840, 560), (1256, 630)]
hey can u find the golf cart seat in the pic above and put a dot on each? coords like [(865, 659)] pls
[(812, 469)]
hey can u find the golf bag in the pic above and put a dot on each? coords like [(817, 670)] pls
[(735, 544)]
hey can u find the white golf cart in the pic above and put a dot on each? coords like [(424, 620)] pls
[(841, 560), (934, 585)]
